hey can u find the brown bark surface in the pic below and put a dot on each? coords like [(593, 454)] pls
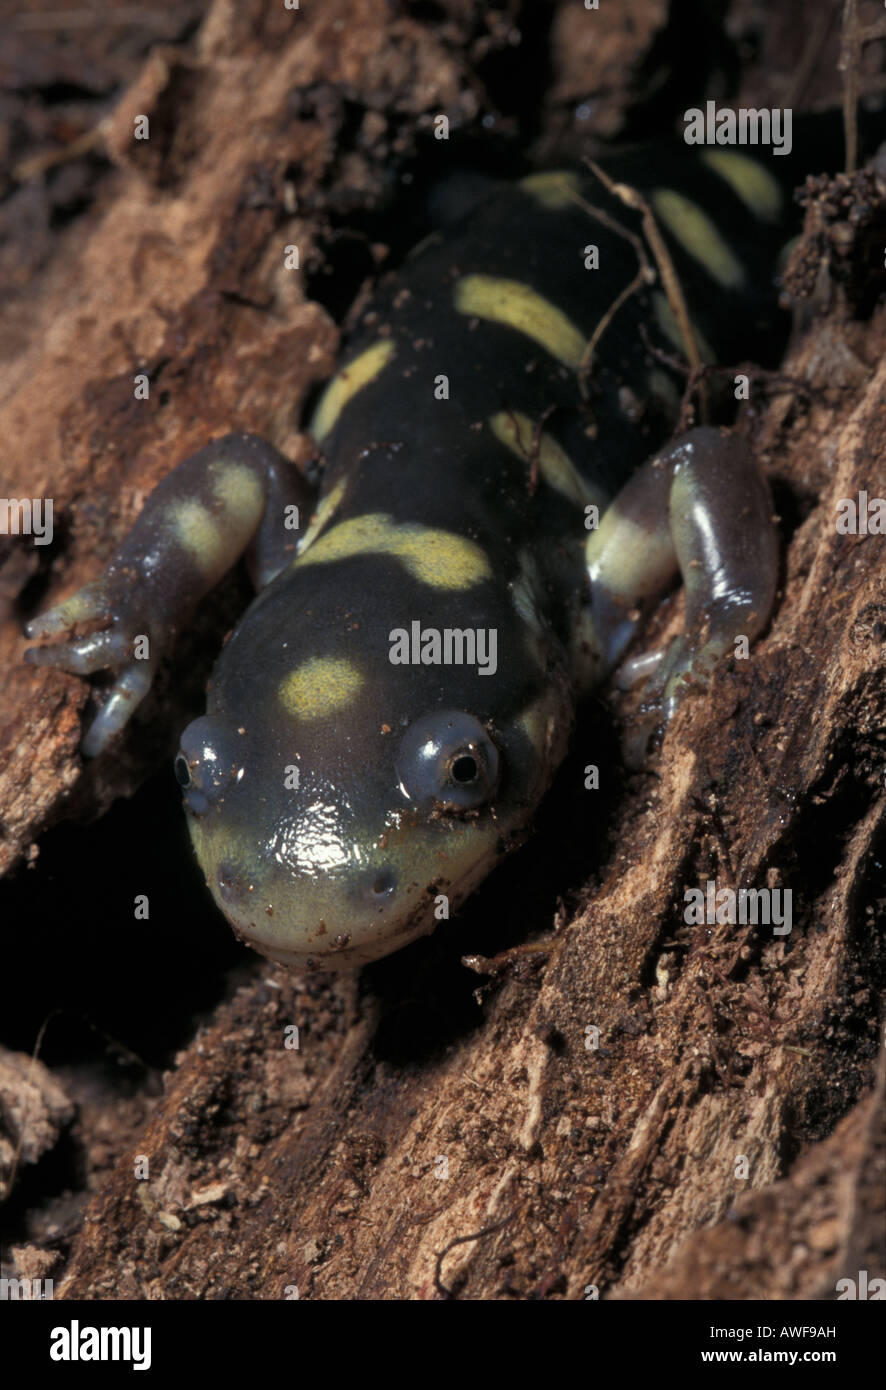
[(417, 1144)]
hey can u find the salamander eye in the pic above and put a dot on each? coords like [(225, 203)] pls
[(447, 761), (208, 762)]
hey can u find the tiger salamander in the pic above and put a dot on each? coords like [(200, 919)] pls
[(503, 495)]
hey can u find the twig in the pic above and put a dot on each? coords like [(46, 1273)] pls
[(670, 280), (645, 276), (810, 56), (37, 164), (462, 1240), (848, 65)]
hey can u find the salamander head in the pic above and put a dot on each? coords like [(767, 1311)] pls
[(364, 805)]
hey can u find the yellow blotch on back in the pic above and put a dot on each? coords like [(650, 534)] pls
[(697, 234), (321, 686), (751, 181), (517, 431), (441, 559), (553, 189), (520, 307), (325, 509), (347, 383)]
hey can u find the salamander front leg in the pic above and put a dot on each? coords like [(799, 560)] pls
[(700, 508), (233, 498)]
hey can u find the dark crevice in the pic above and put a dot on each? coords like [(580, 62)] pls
[(138, 983)]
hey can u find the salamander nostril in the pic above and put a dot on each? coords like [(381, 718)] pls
[(228, 875), (383, 884)]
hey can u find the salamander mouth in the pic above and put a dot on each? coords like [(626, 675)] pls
[(329, 947), (379, 900)]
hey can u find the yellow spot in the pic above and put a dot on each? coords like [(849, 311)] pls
[(238, 489), (752, 182), (697, 234), (517, 306), (440, 559), (198, 532), (320, 686), (347, 383), (552, 189), (325, 508), (533, 727), (669, 326), (556, 467), (629, 561), (546, 723)]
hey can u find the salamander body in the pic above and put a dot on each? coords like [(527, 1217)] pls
[(503, 492)]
